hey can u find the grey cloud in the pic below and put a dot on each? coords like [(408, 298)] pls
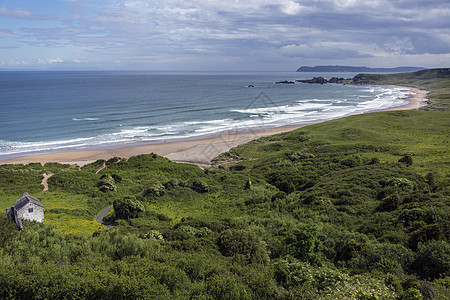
[(8, 33), (320, 51), (23, 14), (171, 30)]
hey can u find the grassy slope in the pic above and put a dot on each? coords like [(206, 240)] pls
[(422, 134)]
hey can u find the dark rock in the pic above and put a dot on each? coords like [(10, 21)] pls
[(285, 82), (319, 80), (336, 80)]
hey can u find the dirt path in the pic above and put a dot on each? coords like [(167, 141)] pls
[(104, 166), (102, 215), (45, 180)]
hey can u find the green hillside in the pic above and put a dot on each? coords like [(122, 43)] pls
[(354, 208)]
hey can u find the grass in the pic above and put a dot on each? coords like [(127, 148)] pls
[(54, 200), (400, 133), (73, 225), (384, 135)]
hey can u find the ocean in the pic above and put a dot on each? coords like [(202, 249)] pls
[(53, 110)]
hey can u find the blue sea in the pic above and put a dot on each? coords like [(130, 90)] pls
[(49, 111)]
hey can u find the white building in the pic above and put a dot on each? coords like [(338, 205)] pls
[(26, 208)]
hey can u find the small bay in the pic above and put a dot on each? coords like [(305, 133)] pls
[(47, 111)]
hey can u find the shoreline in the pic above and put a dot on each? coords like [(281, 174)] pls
[(417, 99), (199, 151)]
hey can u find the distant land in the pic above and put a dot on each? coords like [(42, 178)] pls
[(357, 69)]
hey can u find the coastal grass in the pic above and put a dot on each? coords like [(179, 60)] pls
[(61, 200), (387, 136)]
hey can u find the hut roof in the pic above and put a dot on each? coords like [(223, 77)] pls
[(24, 200)]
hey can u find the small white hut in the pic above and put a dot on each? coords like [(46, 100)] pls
[(26, 208)]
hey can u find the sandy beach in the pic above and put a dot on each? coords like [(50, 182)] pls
[(417, 99), (199, 151)]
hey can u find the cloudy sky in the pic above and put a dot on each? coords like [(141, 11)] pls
[(273, 35)]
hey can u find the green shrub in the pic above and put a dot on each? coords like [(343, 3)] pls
[(194, 232), (401, 183), (200, 186), (223, 287), (155, 190), (407, 160), (241, 242), (433, 260), (128, 208), (352, 161), (154, 234), (107, 183), (299, 156), (302, 242)]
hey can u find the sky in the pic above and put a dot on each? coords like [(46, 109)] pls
[(226, 35)]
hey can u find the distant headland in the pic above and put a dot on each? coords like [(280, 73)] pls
[(357, 69)]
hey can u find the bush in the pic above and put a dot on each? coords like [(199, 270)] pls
[(127, 208), (299, 156), (424, 233), (401, 183), (260, 194), (155, 190), (195, 232), (391, 202), (227, 288), (107, 183), (154, 234), (241, 242), (352, 161), (433, 260), (407, 160), (302, 242), (200, 186)]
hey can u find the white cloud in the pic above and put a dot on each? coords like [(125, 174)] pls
[(291, 7), (13, 62), (49, 61), (54, 60)]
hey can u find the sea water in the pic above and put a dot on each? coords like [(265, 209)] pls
[(48, 111)]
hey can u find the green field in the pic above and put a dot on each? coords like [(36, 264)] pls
[(354, 208)]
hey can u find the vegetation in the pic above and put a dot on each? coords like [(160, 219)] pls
[(355, 208)]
